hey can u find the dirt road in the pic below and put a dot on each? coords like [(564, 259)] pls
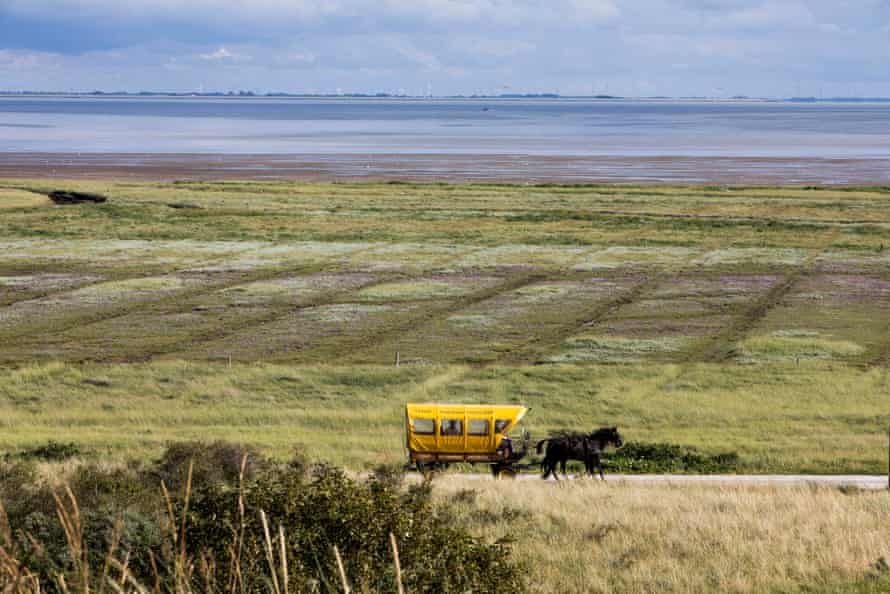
[(861, 481)]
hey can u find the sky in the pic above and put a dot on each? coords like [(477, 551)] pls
[(715, 48)]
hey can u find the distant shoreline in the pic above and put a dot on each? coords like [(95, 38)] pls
[(767, 171), (372, 96)]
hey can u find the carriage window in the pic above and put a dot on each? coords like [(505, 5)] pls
[(423, 426), (451, 427), (501, 424), (477, 427)]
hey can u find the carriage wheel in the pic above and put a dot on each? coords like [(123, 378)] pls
[(425, 469), (430, 469)]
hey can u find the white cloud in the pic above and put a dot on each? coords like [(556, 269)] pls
[(220, 53), (494, 48), (301, 57), (773, 14), (412, 53), (594, 10), (614, 46), (24, 60)]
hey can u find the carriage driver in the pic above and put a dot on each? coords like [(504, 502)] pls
[(505, 448)]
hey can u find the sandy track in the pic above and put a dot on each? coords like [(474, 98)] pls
[(862, 481)]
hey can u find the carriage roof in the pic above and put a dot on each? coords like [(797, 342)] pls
[(511, 412)]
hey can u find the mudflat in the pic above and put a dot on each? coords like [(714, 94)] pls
[(695, 170)]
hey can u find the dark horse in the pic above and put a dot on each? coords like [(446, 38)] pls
[(578, 446)]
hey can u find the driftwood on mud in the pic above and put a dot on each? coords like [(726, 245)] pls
[(67, 197)]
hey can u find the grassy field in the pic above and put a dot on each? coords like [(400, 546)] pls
[(587, 536), (748, 321), (753, 320), (818, 417)]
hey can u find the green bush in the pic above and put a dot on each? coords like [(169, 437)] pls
[(639, 457), (52, 450), (216, 463), (215, 527)]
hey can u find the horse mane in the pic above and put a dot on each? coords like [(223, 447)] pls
[(603, 432)]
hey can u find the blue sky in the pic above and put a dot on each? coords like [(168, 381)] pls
[(641, 47)]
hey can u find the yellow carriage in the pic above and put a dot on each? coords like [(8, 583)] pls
[(440, 434)]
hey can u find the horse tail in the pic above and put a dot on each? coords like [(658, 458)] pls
[(540, 445)]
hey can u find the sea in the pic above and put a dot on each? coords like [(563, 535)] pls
[(580, 131)]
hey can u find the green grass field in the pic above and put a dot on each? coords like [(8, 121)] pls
[(753, 320)]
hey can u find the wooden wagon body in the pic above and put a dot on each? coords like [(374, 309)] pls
[(439, 434)]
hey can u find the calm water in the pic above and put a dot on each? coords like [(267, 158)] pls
[(452, 127)]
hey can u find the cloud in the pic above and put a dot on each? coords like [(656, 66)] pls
[(221, 53), (19, 60), (616, 46)]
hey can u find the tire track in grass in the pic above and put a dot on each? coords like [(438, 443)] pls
[(44, 293), (722, 346), (532, 350), (224, 331), (879, 356), (735, 219), (102, 277), (536, 348), (419, 392), (365, 342), (119, 311), (110, 277), (327, 298)]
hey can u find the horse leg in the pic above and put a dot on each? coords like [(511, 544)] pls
[(547, 467), (551, 469), (599, 465)]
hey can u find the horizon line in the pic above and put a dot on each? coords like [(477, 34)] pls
[(244, 94)]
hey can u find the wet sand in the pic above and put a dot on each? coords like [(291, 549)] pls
[(449, 168)]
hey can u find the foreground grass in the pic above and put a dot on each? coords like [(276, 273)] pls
[(779, 418), (454, 535), (586, 536)]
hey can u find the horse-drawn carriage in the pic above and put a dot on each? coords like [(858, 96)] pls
[(440, 434)]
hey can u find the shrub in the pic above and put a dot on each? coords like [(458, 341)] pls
[(213, 536), (52, 451), (639, 457), (216, 463)]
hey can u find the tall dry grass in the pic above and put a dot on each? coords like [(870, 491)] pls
[(587, 536)]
